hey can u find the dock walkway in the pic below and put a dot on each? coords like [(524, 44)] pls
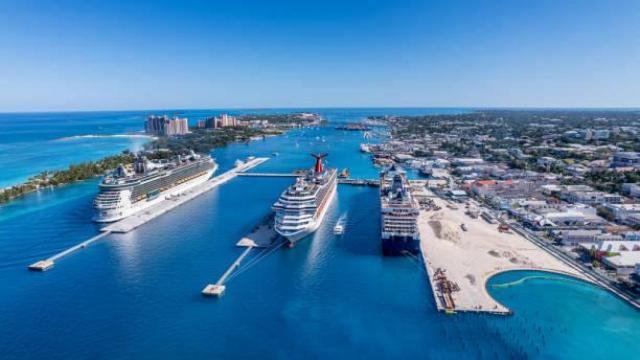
[(262, 236), (131, 222), (218, 288), (136, 220), (44, 265), (269, 174)]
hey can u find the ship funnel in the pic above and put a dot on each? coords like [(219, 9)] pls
[(318, 168)]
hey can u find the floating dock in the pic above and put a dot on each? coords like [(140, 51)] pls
[(136, 220)]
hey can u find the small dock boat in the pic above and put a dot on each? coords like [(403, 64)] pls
[(344, 173)]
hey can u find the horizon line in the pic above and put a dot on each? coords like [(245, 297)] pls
[(570, 108)]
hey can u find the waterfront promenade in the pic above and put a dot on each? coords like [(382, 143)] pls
[(467, 259)]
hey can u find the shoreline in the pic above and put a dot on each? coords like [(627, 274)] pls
[(479, 253), (33, 183)]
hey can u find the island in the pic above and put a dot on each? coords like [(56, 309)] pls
[(173, 140)]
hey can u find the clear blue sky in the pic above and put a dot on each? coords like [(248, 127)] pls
[(86, 54)]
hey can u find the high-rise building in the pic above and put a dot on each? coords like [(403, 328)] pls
[(165, 126), (226, 120), (223, 120)]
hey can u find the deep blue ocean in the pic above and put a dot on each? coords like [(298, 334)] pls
[(138, 295)]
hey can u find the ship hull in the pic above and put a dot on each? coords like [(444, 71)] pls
[(109, 216), (293, 238), (400, 245)]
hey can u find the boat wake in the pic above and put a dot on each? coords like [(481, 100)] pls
[(532, 277), (106, 136)]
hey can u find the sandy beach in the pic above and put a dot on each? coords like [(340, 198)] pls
[(469, 258)]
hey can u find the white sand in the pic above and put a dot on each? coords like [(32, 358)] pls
[(470, 257)]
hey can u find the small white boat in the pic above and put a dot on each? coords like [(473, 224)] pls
[(339, 228)]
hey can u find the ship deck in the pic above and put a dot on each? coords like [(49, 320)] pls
[(136, 220), (131, 222)]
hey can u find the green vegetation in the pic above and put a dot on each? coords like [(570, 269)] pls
[(77, 172), (203, 140), (199, 140), (297, 119)]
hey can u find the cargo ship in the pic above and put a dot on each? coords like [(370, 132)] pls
[(302, 206), (399, 214), (130, 189)]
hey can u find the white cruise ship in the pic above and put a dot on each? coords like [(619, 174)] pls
[(399, 211), (128, 190), (302, 206)]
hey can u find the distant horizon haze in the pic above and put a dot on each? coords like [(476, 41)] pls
[(160, 111)]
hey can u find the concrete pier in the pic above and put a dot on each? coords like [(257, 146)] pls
[(262, 236), (131, 222), (218, 288), (136, 220), (44, 265), (269, 174)]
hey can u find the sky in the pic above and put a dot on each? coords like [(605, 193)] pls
[(117, 55)]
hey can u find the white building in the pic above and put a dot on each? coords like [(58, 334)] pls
[(467, 161), (630, 189), (628, 158), (546, 162), (575, 237), (628, 214), (624, 263), (592, 197)]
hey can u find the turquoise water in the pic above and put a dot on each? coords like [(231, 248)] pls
[(138, 294), (560, 317)]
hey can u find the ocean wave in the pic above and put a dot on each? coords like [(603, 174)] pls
[(104, 136)]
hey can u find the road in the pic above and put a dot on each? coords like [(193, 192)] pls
[(595, 276)]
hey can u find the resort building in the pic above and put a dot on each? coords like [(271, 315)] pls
[(166, 126)]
